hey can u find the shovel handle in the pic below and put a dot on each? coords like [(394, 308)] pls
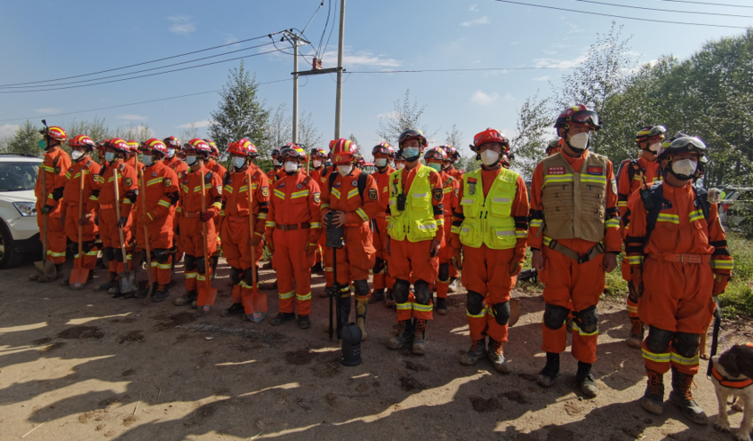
[(204, 230), (142, 192), (120, 229)]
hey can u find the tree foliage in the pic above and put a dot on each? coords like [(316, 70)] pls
[(24, 140), (404, 115), (534, 131)]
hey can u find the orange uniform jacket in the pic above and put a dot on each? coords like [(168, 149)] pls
[(295, 199), (161, 193), (179, 167), (127, 186), (275, 175), (190, 193), (344, 197), (54, 166), (235, 196), (73, 183), (651, 171)]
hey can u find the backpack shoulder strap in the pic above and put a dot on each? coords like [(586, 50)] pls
[(702, 201), (653, 214), (332, 177), (362, 183)]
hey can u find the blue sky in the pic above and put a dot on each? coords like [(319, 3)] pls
[(51, 39)]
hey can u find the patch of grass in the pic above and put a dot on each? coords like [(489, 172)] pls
[(738, 298)]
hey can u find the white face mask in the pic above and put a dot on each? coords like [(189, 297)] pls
[(171, 153), (191, 160), (381, 162), (238, 162), (654, 147), (489, 157), (400, 165), (580, 141), (291, 166), (317, 163), (146, 160), (276, 163), (685, 168), (344, 170), (76, 155)]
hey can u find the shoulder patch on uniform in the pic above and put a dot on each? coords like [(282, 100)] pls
[(595, 170), (437, 193), (457, 192), (614, 186), (317, 198), (168, 182), (337, 184), (265, 192), (128, 182), (555, 170), (373, 194)]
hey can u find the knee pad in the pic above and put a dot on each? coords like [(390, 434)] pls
[(423, 292), (235, 276), (475, 303), (118, 254), (201, 265), (143, 255), (189, 263), (501, 313), (444, 272), (248, 274), (555, 316), (401, 290), (161, 255), (588, 319), (658, 340), (109, 254), (378, 266), (686, 344), (88, 246), (72, 247), (362, 288)]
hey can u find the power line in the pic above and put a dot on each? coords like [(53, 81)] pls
[(131, 104), (664, 10), (621, 16), (142, 63), (455, 70), (707, 3)]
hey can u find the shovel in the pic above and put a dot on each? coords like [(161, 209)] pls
[(514, 312), (46, 268), (79, 274), (203, 301), (127, 279), (150, 276), (256, 303)]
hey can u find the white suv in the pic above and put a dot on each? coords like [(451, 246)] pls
[(19, 233)]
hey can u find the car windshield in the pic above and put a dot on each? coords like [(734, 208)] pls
[(17, 176)]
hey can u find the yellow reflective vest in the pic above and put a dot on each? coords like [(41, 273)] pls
[(488, 220), (416, 222)]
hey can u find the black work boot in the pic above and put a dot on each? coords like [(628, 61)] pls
[(304, 322), (112, 280), (477, 350), (404, 335), (234, 309), (419, 337), (377, 296), (635, 340), (550, 371), (496, 355), (141, 294), (441, 306), (585, 380), (161, 293), (682, 397), (187, 298), (282, 318), (317, 268), (653, 398)]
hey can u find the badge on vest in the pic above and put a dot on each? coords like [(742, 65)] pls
[(154, 175), (595, 170), (282, 185), (372, 194), (666, 205), (299, 186), (555, 171), (354, 183), (337, 184)]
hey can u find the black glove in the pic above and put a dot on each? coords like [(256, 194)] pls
[(96, 220), (122, 222), (46, 209)]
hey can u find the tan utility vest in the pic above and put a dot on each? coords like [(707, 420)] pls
[(575, 202)]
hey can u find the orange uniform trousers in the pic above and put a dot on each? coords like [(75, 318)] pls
[(487, 272), (382, 279), (108, 233), (445, 256), (410, 261), (160, 236), (56, 237), (293, 267), (236, 236), (677, 297), (88, 234), (356, 259), (566, 281), (192, 237)]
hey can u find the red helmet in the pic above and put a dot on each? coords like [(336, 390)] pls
[(213, 146), (490, 135), (118, 144), (343, 151), (133, 145), (250, 147), (293, 151), (197, 145), (452, 153), (647, 132), (318, 152), (55, 132), (242, 147), (412, 134), (332, 143), (579, 114), (82, 141), (172, 142), (155, 145), (384, 149), (276, 153), (435, 153)]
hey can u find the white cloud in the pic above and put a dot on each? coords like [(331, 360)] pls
[(130, 117), (48, 111), (508, 97), (8, 130), (574, 29), (197, 124), (481, 98), (478, 21), (473, 8), (544, 78), (361, 58), (181, 24), (548, 52), (553, 63), (514, 43)]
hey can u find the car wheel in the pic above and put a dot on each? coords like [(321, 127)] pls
[(9, 257)]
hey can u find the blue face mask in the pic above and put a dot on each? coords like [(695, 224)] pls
[(41, 144), (146, 160), (109, 156), (435, 166), (411, 153)]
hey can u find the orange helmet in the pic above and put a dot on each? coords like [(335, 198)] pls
[(490, 135), (55, 132), (435, 153), (579, 114), (343, 151), (118, 144), (197, 145), (242, 147), (155, 145), (82, 141)]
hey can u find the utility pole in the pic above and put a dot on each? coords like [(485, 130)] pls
[(339, 98), (296, 40)]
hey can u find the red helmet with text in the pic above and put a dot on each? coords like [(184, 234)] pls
[(343, 151)]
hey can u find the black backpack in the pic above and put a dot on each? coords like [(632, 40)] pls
[(361, 182), (701, 201)]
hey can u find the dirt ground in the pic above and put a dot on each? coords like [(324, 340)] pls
[(84, 366)]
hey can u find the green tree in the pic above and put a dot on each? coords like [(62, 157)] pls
[(405, 115), (534, 129), (24, 140), (240, 114)]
